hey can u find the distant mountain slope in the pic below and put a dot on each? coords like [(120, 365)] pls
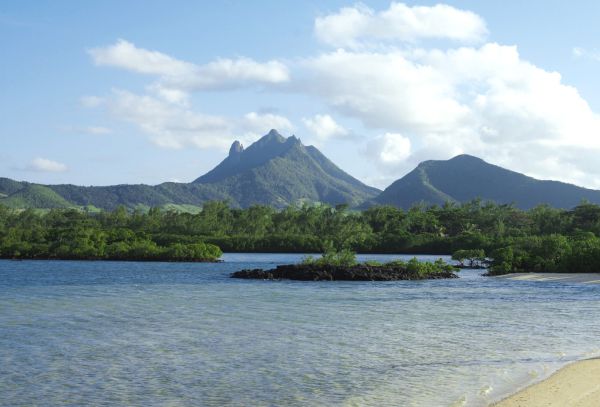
[(132, 196), (8, 186), (273, 171), (465, 177), (35, 196)]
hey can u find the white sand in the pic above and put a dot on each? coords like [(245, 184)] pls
[(584, 278), (576, 385)]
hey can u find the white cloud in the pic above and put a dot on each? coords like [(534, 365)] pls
[(45, 165), (185, 76), (230, 73), (176, 126), (385, 90), (170, 95), (126, 55), (324, 127), (170, 126), (390, 148), (354, 26), (166, 114), (261, 123), (486, 101)]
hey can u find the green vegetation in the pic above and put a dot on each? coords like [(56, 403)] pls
[(472, 258), (347, 258), (554, 253), (36, 196), (424, 268), (539, 239), (333, 257), (77, 235)]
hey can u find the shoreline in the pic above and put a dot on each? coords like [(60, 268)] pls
[(112, 259), (575, 384), (581, 278)]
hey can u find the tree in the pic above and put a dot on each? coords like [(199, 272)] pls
[(475, 258)]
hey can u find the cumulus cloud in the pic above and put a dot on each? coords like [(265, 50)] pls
[(170, 95), (484, 100), (168, 125), (259, 123), (176, 126), (354, 26), (45, 165), (180, 75), (324, 127), (385, 90), (124, 54), (390, 148)]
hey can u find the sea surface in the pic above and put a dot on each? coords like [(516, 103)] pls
[(184, 334)]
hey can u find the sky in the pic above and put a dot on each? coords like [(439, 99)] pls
[(112, 92)]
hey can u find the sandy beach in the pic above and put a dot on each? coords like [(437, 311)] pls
[(575, 385), (584, 278)]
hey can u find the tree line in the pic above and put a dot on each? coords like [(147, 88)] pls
[(539, 239)]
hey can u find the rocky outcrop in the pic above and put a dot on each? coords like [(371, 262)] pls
[(361, 272)]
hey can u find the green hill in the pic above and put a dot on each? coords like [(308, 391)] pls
[(465, 177), (9, 186), (35, 196)]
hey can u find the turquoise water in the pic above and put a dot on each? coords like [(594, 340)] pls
[(156, 334)]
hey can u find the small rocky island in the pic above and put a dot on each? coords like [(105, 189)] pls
[(370, 271)]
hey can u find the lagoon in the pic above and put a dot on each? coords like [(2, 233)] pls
[(125, 333)]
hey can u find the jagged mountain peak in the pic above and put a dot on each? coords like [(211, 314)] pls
[(268, 147), (281, 171), (236, 148)]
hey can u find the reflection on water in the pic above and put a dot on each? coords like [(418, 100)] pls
[(118, 333)]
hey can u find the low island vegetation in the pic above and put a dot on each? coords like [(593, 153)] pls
[(75, 235), (503, 237), (342, 265)]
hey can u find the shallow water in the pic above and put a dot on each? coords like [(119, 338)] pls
[(121, 333)]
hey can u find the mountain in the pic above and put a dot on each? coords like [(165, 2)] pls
[(274, 171), (278, 171), (465, 177)]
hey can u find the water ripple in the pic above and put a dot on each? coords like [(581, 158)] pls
[(110, 333)]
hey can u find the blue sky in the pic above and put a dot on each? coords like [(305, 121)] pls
[(99, 93)]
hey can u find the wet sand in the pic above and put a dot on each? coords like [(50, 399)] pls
[(575, 385)]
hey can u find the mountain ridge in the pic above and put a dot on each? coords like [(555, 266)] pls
[(279, 171), (275, 171)]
